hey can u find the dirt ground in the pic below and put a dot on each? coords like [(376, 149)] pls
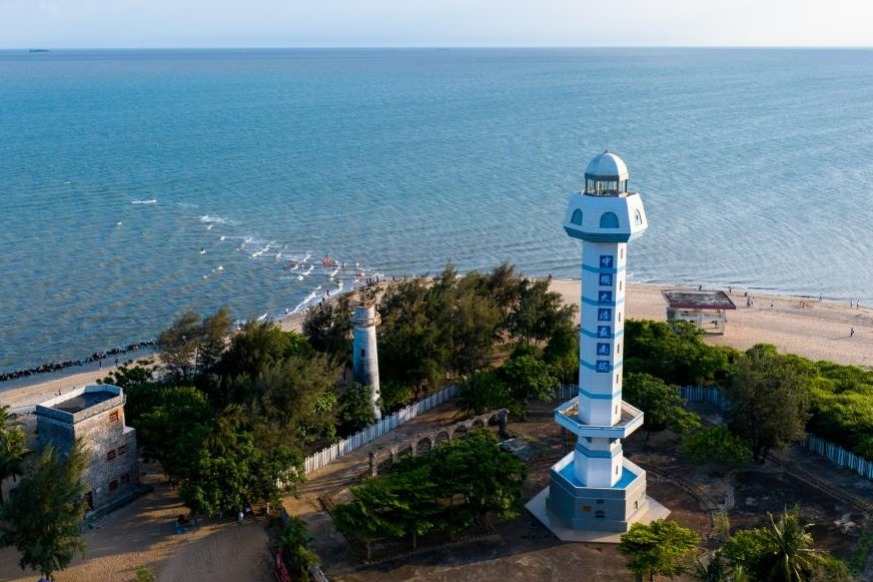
[(141, 534), (526, 550), (522, 549)]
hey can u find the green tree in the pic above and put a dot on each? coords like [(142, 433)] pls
[(469, 321), (716, 445), (782, 552), (675, 352), (373, 513), (221, 477), (421, 494), (769, 401), (44, 516), (483, 391), (131, 376), (328, 327), (13, 452), (172, 430), (539, 311), (212, 340), (192, 346), (177, 345), (490, 480), (296, 544), (275, 471), (395, 395), (294, 403), (13, 447), (256, 348), (413, 351), (527, 377), (661, 404), (504, 286), (355, 409), (562, 353), (662, 548)]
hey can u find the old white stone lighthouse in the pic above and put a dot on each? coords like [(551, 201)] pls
[(365, 356)]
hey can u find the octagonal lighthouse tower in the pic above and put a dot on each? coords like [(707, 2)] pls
[(594, 492)]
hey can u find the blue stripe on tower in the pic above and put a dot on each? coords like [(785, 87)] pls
[(592, 396), (591, 269), (587, 301), (587, 333), (598, 454)]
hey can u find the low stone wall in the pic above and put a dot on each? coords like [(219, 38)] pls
[(422, 443)]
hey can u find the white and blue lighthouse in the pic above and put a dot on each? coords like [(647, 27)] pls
[(594, 488)]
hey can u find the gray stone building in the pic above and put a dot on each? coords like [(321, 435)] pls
[(96, 415)]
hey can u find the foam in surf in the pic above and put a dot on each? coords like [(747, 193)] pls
[(209, 219)]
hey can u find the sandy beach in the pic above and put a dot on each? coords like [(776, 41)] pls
[(807, 327)]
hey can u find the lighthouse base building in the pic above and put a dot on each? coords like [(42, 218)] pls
[(594, 493)]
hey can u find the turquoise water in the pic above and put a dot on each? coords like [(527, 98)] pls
[(118, 167)]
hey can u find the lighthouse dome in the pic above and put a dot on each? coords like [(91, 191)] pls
[(606, 166), (606, 175)]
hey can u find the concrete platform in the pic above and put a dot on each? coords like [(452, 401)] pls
[(537, 506)]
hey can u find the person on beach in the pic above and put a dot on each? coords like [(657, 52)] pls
[(852, 332)]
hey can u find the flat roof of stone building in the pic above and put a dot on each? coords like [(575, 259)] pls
[(84, 400), (698, 300)]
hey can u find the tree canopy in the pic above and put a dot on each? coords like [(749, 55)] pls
[(675, 352), (661, 547), (422, 494), (714, 445), (13, 447), (192, 345), (660, 402), (44, 514), (769, 401), (784, 552)]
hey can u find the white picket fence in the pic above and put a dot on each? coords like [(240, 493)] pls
[(839, 456), (710, 394), (823, 448), (566, 392), (374, 431)]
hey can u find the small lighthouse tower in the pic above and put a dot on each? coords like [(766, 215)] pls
[(365, 357), (594, 492)]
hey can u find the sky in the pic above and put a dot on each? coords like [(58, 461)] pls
[(432, 23)]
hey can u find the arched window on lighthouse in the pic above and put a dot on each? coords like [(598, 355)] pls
[(577, 217), (609, 220), (638, 218)]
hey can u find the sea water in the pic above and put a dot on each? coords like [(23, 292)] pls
[(135, 184)]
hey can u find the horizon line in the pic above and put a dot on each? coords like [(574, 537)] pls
[(442, 47)]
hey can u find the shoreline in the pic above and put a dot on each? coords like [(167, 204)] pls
[(801, 325)]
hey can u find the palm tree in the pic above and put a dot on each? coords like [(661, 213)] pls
[(13, 447), (790, 555), (8, 419)]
